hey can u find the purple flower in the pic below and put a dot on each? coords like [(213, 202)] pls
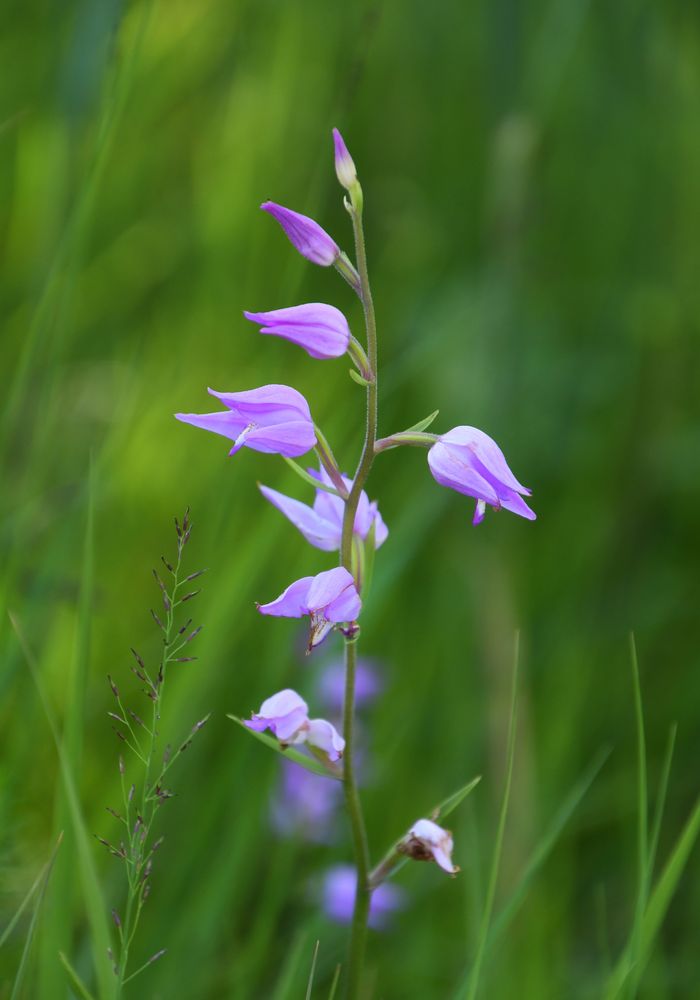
[(469, 461), (338, 897), (306, 235), (344, 166), (304, 803), (286, 714), (274, 419), (426, 841), (321, 330), (331, 685), (328, 598), (322, 524)]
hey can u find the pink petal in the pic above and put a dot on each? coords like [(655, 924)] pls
[(292, 603), (346, 607), (323, 735), (292, 438), (315, 529), (327, 586)]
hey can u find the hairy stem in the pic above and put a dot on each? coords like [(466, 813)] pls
[(362, 897)]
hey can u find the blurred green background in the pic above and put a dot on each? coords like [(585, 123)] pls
[(532, 192)]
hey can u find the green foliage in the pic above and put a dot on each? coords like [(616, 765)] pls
[(531, 177)]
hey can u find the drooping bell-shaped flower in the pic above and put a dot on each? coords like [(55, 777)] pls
[(320, 329), (328, 599), (426, 841), (344, 166), (322, 524), (469, 461), (305, 235), (274, 419), (286, 714)]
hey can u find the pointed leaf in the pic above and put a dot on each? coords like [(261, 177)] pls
[(393, 861), (356, 377), (424, 424), (303, 474), (291, 753)]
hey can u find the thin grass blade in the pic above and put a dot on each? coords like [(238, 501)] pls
[(94, 903), (310, 985), (470, 986), (76, 982), (26, 950), (38, 881), (545, 846)]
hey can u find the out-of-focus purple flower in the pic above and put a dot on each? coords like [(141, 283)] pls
[(305, 803), (307, 236), (328, 598), (426, 841), (322, 524), (469, 461), (286, 714), (338, 897), (274, 419), (344, 166), (320, 329), (331, 685)]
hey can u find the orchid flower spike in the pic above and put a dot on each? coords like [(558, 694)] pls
[(274, 419), (426, 841), (305, 235), (328, 598), (320, 329), (469, 461), (286, 714), (322, 524)]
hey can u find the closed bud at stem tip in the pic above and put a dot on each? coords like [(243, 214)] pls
[(345, 171)]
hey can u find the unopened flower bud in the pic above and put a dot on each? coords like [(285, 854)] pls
[(344, 166), (307, 236)]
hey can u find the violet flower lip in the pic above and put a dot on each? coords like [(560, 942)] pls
[(286, 714), (274, 419), (304, 234), (328, 598), (470, 462), (322, 330)]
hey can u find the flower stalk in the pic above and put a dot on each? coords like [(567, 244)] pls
[(276, 419), (358, 934)]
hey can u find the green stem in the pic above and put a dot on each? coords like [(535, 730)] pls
[(358, 936), (418, 439), (358, 933)]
